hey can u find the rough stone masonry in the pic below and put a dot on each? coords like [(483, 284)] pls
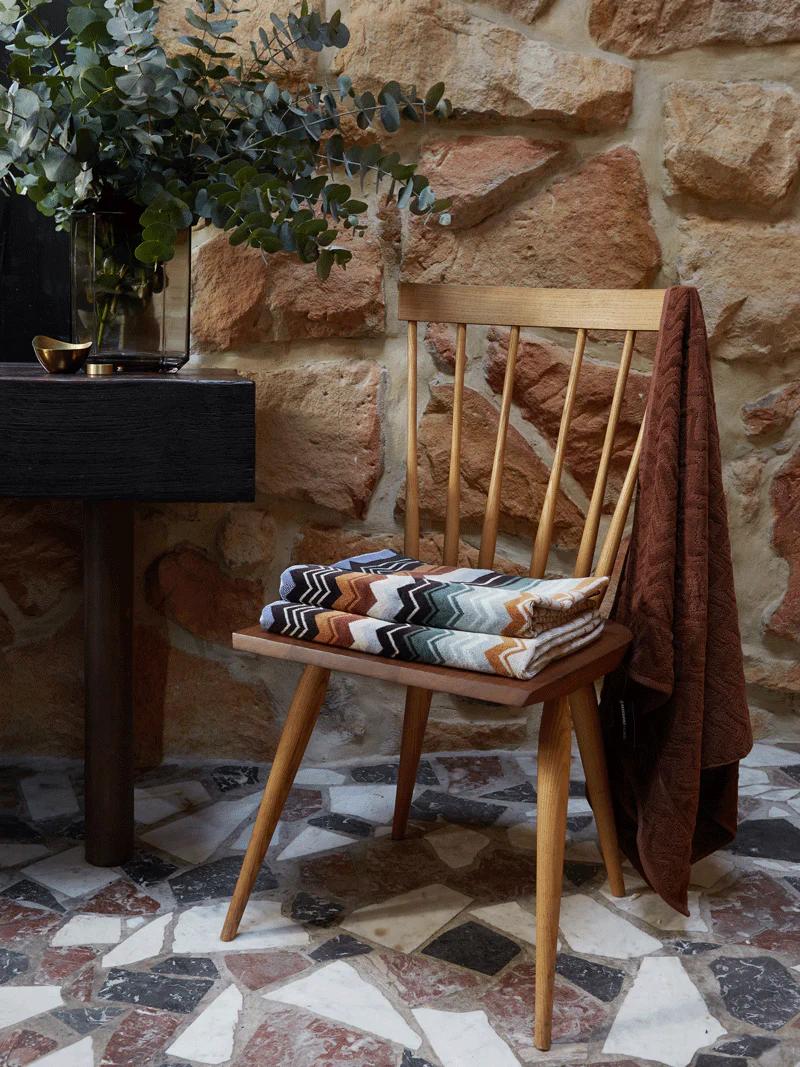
[(596, 143)]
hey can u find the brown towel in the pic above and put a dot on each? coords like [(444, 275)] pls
[(675, 715)]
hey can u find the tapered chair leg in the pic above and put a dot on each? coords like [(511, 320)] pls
[(418, 706), (555, 736), (300, 721), (586, 720)]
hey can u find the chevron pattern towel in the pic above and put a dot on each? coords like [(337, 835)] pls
[(445, 597), (514, 657), (476, 619)]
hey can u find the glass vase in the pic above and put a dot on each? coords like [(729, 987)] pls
[(135, 314)]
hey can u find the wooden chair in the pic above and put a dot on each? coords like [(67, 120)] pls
[(566, 687)]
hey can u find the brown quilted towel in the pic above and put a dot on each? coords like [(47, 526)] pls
[(675, 715)]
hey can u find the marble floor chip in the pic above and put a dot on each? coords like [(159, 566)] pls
[(404, 922), (88, 930), (147, 869), (648, 907), (70, 874), (189, 966), (344, 824), (263, 926), (315, 911), (598, 979), (464, 1039), (195, 838), (762, 755), (663, 1017), (457, 810), (153, 803), (592, 929), (457, 846), (338, 992), (710, 871), (234, 776), (774, 839), (79, 1054), (758, 990), (387, 772), (375, 803), (318, 776), (216, 879), (15, 853), (209, 1038), (49, 795), (143, 944), (85, 1020), (161, 991), (340, 948), (523, 836), (27, 891), (311, 840), (12, 964), (474, 946), (18, 1002), (524, 793), (512, 918)]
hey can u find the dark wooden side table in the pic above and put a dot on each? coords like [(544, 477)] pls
[(111, 441)]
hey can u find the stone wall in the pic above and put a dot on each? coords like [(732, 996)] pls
[(596, 143)]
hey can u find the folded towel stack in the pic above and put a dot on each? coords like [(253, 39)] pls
[(476, 619)]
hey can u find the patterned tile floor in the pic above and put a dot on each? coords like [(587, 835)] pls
[(360, 952)]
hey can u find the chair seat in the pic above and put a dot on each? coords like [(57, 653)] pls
[(560, 678)]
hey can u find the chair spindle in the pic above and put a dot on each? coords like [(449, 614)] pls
[(544, 532), (583, 563), (453, 516), (492, 514), (616, 528), (411, 539)]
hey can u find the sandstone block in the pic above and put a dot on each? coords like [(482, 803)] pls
[(349, 304), (649, 27), (480, 174), (773, 412), (589, 230), (491, 71), (732, 140), (246, 538), (229, 286), (188, 587), (743, 271), (319, 433)]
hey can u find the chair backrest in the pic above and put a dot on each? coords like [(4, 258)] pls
[(634, 310)]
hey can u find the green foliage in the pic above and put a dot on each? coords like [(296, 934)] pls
[(100, 114)]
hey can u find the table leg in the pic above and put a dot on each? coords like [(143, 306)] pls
[(108, 597)]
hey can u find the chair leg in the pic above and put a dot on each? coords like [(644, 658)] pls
[(586, 719), (555, 738), (300, 721), (418, 705)]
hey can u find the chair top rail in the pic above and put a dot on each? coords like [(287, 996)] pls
[(488, 305)]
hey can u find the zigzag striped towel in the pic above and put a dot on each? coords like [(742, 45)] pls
[(394, 588), (513, 657)]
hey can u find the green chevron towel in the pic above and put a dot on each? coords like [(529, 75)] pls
[(394, 588)]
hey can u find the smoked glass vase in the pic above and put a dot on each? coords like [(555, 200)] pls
[(136, 315)]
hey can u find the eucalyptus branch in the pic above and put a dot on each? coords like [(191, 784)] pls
[(157, 131)]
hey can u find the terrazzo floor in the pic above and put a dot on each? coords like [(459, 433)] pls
[(361, 952)]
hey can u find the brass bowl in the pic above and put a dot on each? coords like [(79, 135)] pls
[(60, 357)]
